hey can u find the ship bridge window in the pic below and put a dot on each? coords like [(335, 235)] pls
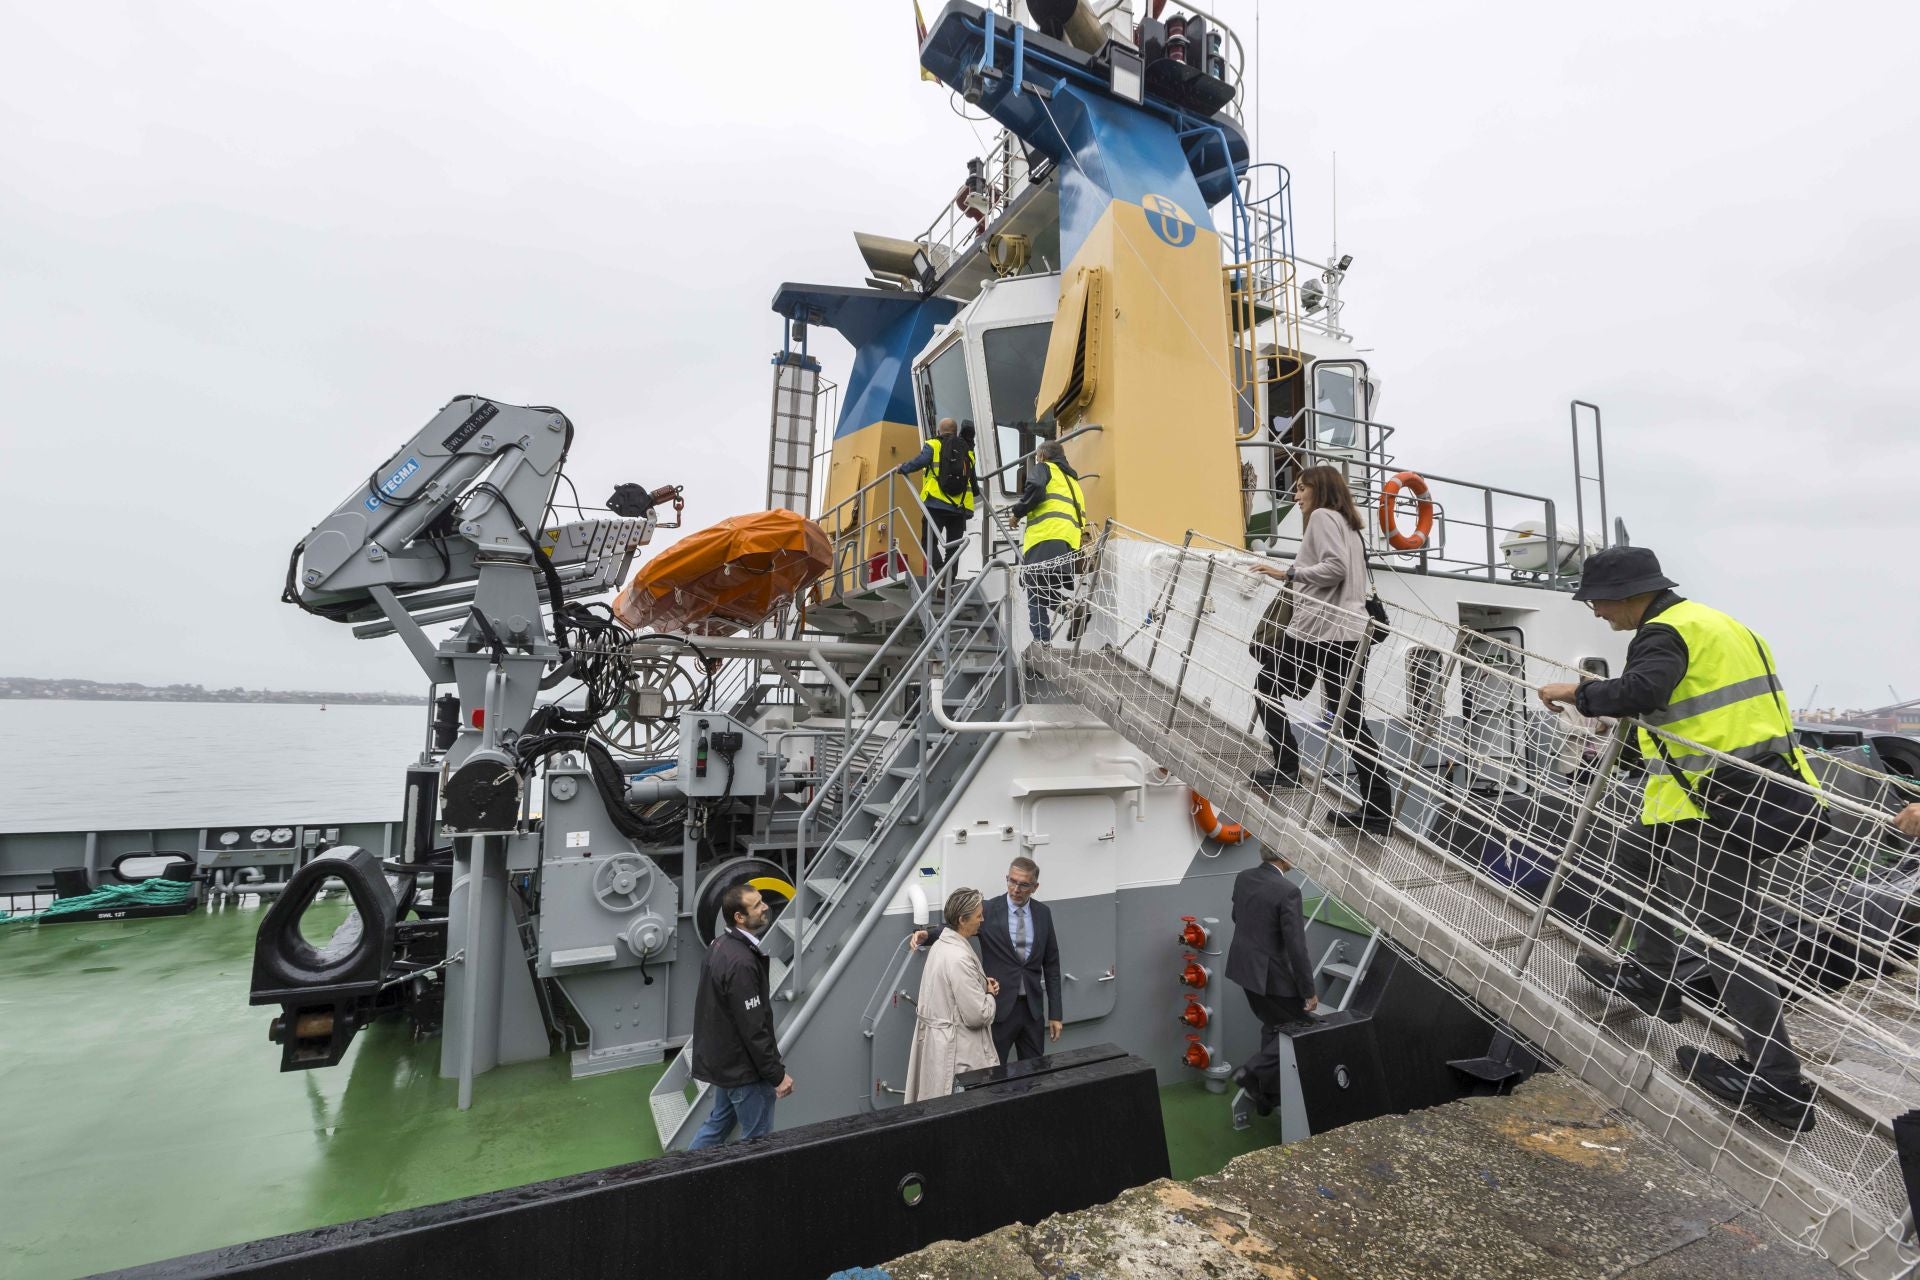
[(1015, 357), (1341, 402), (943, 389)]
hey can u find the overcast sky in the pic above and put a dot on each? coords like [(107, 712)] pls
[(246, 250)]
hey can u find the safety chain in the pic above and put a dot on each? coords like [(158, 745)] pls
[(455, 958)]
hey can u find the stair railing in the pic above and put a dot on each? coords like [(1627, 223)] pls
[(912, 674)]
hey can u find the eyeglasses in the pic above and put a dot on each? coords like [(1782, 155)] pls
[(1020, 884)]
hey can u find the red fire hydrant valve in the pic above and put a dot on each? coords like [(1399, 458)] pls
[(1197, 1056), (1195, 1014), (1195, 974), (1194, 934)]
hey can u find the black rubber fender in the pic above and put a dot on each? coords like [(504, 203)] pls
[(354, 959)]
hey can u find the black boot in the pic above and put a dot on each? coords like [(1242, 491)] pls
[(1788, 1105), (1633, 982), (1262, 1102), (1361, 819)]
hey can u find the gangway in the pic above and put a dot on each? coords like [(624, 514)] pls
[(1162, 656)]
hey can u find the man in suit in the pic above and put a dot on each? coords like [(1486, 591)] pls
[(1268, 958), (1019, 949)]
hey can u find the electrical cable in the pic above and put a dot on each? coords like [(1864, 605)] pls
[(608, 780), (556, 594), (573, 489), (290, 594)]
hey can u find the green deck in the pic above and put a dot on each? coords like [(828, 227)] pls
[(146, 1116)]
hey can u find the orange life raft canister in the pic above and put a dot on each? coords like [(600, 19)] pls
[(726, 577)]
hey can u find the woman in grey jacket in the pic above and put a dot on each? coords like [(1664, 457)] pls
[(1329, 582)]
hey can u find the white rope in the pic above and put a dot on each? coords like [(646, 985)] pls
[(1486, 813)]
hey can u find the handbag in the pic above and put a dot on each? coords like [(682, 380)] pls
[(1378, 630), (1272, 627)]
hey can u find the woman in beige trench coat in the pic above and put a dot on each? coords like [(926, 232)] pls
[(953, 1022)]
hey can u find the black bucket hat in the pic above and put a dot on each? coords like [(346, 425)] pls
[(1616, 573)]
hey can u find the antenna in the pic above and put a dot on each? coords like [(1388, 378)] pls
[(1335, 186)]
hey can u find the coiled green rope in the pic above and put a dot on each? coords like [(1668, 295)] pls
[(155, 892)]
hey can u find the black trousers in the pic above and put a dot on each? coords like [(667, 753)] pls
[(1021, 1029), (1273, 1012), (946, 530), (1707, 876), (1292, 673)]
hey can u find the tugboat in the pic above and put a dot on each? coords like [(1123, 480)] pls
[(806, 706)]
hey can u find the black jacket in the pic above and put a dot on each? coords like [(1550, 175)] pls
[(1002, 963), (1656, 663), (1268, 954), (733, 1040)]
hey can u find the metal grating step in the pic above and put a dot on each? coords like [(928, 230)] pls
[(670, 1111)]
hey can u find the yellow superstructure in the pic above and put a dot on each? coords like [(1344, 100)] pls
[(1141, 347)]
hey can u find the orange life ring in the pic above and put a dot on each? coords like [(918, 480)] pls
[(1213, 826), (1423, 522)]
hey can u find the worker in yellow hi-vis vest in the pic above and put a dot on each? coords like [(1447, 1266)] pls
[(947, 490), (1695, 678), (1055, 510)]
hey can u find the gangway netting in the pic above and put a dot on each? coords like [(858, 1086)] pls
[(1499, 803)]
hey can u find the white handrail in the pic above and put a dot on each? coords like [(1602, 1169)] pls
[(1025, 728)]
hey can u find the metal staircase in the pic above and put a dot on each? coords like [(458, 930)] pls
[(1164, 662), (863, 826)]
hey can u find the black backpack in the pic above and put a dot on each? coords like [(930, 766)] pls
[(955, 476)]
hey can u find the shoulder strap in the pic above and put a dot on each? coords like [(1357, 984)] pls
[(1686, 783), (1779, 694)]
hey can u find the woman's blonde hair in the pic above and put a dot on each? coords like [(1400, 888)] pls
[(960, 905)]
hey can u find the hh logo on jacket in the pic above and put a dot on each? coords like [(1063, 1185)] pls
[(753, 1002)]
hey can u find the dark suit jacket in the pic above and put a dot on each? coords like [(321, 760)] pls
[(1002, 962), (1268, 955)]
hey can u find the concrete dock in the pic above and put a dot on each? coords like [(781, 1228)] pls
[(1548, 1181)]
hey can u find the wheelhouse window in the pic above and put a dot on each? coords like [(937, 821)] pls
[(1334, 396), (1015, 357), (943, 388)]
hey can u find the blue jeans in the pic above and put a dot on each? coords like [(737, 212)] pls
[(1047, 582), (750, 1104)]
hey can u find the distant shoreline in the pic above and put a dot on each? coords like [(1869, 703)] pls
[(23, 689)]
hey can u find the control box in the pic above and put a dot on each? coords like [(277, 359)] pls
[(719, 756)]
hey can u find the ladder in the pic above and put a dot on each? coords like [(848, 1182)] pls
[(864, 826), (790, 450)]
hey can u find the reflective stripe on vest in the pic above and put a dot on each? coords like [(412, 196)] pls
[(1729, 700), (930, 479), (1059, 515)]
